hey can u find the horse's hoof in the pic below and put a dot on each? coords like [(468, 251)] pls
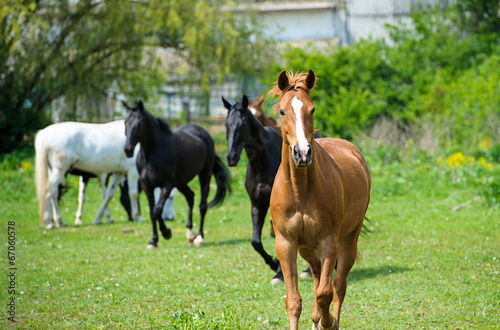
[(167, 234), (277, 280), (169, 219), (140, 219), (111, 220), (63, 223), (306, 273), (275, 264), (51, 226), (78, 222), (190, 236), (333, 327), (198, 241), (151, 246)]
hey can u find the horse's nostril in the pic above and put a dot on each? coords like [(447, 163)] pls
[(309, 151), (295, 151)]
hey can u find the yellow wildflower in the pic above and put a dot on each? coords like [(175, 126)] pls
[(485, 144), (456, 160), (485, 164)]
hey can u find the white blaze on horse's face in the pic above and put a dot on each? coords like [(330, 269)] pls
[(253, 111), (299, 129)]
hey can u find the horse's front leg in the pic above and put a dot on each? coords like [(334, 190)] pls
[(151, 200), (158, 210), (287, 254), (324, 293)]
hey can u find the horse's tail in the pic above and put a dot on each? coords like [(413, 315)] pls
[(41, 173), (223, 180), (365, 231)]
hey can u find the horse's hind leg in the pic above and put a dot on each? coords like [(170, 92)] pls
[(107, 195), (81, 199), (205, 189), (133, 193), (258, 219), (56, 178), (189, 195)]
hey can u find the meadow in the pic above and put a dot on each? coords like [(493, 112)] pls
[(424, 266)]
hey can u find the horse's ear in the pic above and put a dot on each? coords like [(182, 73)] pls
[(261, 100), (140, 105), (227, 105), (244, 101), (126, 106), (283, 80), (310, 79)]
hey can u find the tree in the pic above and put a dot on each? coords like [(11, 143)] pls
[(54, 48)]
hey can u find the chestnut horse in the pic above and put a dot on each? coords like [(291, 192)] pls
[(255, 107), (318, 203)]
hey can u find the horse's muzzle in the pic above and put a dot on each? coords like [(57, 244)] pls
[(232, 158), (129, 151), (302, 157)]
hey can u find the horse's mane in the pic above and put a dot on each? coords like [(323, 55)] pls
[(161, 124), (295, 81)]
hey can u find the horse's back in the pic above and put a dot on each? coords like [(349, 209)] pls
[(347, 156), (353, 173), (89, 147), (195, 151)]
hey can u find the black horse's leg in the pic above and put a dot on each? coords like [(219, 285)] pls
[(205, 189), (278, 278), (125, 199), (158, 209), (258, 219), (151, 200), (189, 195)]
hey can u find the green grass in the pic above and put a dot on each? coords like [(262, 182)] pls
[(424, 267)]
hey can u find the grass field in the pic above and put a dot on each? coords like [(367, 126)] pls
[(423, 267)]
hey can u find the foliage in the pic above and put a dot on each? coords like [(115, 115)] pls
[(442, 69), (50, 49)]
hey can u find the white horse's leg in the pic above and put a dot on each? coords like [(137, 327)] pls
[(107, 194), (133, 193), (56, 177), (47, 215), (169, 210), (81, 199)]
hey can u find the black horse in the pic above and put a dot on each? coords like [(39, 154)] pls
[(169, 159), (263, 148)]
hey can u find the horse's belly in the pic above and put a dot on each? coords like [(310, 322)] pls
[(105, 161)]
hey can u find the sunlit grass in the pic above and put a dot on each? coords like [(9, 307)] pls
[(424, 266)]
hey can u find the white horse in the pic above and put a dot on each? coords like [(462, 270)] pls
[(93, 148)]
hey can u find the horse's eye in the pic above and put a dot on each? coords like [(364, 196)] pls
[(312, 111), (282, 112)]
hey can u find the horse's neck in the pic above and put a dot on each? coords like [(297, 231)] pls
[(152, 136), (296, 179), (256, 146)]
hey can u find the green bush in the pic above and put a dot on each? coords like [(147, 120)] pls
[(442, 70)]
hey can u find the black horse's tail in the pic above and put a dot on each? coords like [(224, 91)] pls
[(365, 231), (223, 180)]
